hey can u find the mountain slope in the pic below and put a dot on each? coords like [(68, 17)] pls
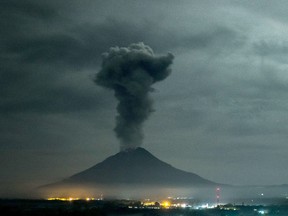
[(136, 166)]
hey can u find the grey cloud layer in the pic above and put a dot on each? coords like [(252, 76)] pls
[(229, 87)]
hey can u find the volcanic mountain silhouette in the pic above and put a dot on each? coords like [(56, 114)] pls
[(136, 166), (137, 173)]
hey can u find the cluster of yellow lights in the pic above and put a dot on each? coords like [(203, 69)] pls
[(148, 203), (165, 204), (70, 198)]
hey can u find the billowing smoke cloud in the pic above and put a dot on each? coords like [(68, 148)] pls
[(130, 72)]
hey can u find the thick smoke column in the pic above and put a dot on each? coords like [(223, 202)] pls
[(130, 72)]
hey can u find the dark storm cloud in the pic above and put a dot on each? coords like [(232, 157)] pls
[(21, 18), (266, 48), (27, 56), (78, 46), (46, 49), (272, 50), (229, 90), (28, 62), (218, 38), (57, 100), (26, 8)]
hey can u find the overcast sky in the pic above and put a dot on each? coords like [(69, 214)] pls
[(222, 113)]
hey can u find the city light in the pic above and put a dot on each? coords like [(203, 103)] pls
[(69, 199), (166, 204), (63, 198), (263, 212)]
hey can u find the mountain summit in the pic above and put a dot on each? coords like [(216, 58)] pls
[(136, 166)]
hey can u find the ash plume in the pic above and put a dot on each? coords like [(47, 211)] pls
[(130, 72)]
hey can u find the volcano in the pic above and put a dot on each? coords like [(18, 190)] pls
[(139, 174), (129, 173), (138, 167)]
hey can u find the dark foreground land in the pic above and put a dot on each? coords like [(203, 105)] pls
[(113, 208)]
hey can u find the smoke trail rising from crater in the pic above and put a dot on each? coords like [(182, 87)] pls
[(130, 72)]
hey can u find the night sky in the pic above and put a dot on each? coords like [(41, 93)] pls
[(222, 113)]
